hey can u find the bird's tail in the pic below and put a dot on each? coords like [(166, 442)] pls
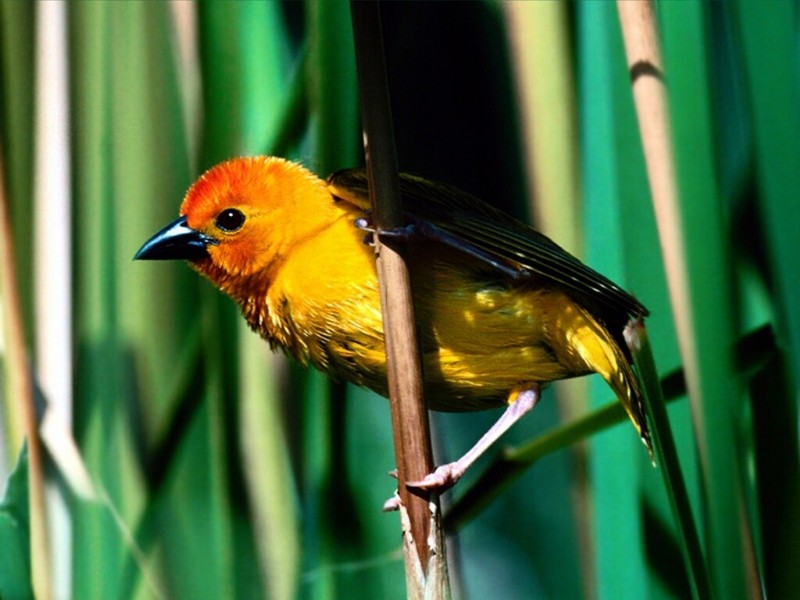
[(592, 344)]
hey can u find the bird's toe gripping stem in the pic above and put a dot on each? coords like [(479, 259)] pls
[(403, 234)]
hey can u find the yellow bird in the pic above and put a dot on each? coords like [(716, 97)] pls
[(501, 309)]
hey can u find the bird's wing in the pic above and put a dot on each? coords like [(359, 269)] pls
[(460, 220)]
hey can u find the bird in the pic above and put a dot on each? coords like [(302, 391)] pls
[(501, 309)]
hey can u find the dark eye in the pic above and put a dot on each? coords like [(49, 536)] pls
[(230, 220)]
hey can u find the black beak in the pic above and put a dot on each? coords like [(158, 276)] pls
[(176, 241)]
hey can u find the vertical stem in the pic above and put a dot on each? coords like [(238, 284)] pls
[(52, 247), (409, 414)]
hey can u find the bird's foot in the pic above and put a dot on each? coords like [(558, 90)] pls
[(443, 478), (521, 401), (402, 234)]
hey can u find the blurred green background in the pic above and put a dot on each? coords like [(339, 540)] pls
[(219, 470)]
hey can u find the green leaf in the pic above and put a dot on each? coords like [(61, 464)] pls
[(15, 558)]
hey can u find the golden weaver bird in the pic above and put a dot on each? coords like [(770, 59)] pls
[(501, 309)]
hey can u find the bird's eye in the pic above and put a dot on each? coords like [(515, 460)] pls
[(230, 220)]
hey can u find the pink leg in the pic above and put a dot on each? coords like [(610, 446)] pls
[(448, 475)]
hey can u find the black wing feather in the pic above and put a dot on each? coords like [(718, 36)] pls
[(463, 221)]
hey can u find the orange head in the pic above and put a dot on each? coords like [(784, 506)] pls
[(241, 217)]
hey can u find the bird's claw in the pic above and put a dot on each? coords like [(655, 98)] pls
[(403, 233), (443, 478)]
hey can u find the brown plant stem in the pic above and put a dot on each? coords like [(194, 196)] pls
[(409, 413)]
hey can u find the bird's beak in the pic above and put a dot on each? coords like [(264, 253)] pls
[(176, 241)]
